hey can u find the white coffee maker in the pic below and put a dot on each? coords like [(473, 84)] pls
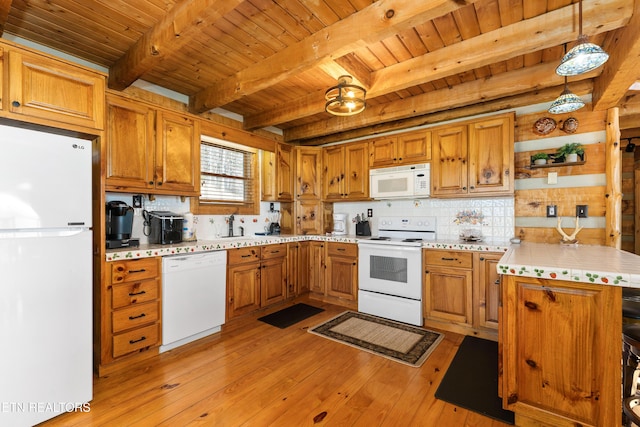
[(339, 224)]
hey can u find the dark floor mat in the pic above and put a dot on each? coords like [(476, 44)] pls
[(471, 381), (290, 315)]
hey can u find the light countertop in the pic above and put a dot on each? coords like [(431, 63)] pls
[(145, 251), (577, 263)]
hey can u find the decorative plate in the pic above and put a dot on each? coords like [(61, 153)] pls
[(544, 126), (570, 125)]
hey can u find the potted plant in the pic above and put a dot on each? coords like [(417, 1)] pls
[(570, 152), (540, 158)]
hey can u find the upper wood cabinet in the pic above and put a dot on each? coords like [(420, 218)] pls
[(346, 172), (474, 159), (151, 150), (51, 92), (308, 169), (278, 174), (402, 149)]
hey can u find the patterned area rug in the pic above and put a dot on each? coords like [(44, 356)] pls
[(394, 340)]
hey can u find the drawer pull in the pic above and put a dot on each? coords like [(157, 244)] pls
[(276, 252), (246, 256), (341, 249), (142, 270), (135, 341), (140, 316), (133, 294), (449, 259)]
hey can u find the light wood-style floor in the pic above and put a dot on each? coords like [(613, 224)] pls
[(253, 374)]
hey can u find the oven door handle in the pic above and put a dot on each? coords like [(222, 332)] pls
[(387, 248)]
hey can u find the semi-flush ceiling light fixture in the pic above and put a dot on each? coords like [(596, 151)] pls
[(345, 98), (566, 102), (583, 57)]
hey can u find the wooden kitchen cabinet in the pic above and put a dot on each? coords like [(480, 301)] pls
[(128, 314), (151, 150), (474, 159), (316, 267), (48, 91), (273, 274), (308, 181), (486, 290), (243, 281), (298, 268), (448, 284), (341, 276), (309, 217), (402, 149), (346, 172), (560, 358), (278, 174)]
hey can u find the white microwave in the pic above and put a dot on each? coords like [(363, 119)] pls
[(412, 181)]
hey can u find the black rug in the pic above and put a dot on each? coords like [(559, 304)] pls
[(290, 315), (471, 381)]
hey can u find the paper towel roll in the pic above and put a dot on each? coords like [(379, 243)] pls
[(188, 227)]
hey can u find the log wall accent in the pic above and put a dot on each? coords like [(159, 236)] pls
[(583, 184), (613, 170)]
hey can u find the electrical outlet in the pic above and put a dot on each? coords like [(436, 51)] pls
[(582, 211), (552, 211), (137, 201), (369, 213)]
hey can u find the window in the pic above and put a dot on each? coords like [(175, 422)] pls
[(227, 178)]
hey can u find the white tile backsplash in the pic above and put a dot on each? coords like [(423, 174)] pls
[(498, 215)]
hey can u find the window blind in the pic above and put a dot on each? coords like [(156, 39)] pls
[(226, 174)]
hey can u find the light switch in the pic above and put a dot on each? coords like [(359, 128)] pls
[(552, 178)]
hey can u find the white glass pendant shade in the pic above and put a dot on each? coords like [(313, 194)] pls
[(583, 58), (345, 99), (566, 102)]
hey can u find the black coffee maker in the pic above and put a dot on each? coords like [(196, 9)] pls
[(119, 218)]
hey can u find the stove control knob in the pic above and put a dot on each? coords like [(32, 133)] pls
[(419, 223)]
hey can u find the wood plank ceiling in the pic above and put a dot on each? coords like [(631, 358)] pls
[(272, 60)]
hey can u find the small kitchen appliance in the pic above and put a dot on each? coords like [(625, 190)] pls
[(165, 227), (119, 218), (339, 224)]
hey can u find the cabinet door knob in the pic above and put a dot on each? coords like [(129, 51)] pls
[(15, 104)]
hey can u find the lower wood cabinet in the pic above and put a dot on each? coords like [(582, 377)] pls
[(342, 270), (316, 267), (256, 277), (461, 291), (128, 313), (561, 352)]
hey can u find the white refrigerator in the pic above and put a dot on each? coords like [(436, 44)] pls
[(45, 276)]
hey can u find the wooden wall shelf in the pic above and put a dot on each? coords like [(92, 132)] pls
[(553, 165)]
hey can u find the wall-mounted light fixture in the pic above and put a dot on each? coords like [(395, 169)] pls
[(584, 56), (345, 99)]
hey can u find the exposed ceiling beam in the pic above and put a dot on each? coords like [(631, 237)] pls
[(527, 36), (506, 84), (173, 32), (382, 19), (5, 6), (580, 88), (623, 66)]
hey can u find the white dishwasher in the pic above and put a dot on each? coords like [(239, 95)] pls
[(193, 297)]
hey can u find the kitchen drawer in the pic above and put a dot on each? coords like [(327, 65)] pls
[(135, 340), (243, 255), (134, 293), (274, 251), (342, 249), (449, 258), (134, 269), (134, 316)]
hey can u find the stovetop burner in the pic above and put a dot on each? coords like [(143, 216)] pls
[(379, 238)]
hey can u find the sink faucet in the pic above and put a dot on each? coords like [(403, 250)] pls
[(231, 218)]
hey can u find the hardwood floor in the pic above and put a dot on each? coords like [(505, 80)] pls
[(253, 374)]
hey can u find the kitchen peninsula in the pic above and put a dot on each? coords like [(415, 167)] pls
[(560, 331)]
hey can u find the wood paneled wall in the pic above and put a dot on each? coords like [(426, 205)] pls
[(583, 184)]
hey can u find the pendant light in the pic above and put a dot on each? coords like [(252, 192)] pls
[(566, 102), (584, 56), (345, 99)]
